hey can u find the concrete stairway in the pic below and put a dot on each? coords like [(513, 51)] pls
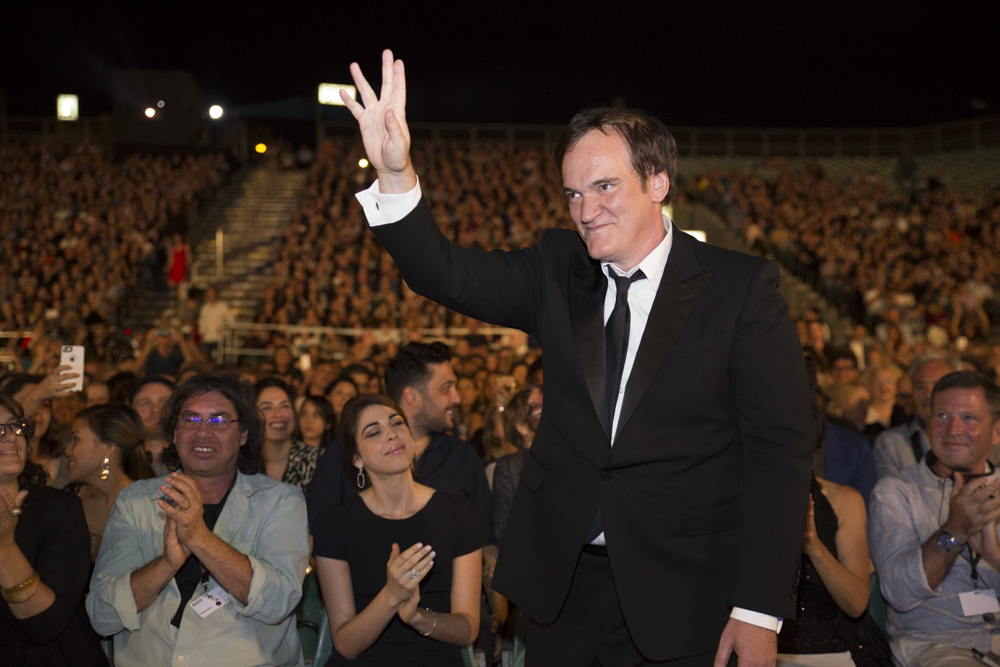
[(251, 233)]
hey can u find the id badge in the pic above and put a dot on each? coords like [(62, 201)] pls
[(977, 603), (216, 598)]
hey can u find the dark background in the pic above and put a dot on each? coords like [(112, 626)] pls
[(712, 62)]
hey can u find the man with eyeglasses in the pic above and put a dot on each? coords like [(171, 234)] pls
[(204, 566)]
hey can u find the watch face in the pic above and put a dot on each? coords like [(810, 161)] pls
[(946, 541)]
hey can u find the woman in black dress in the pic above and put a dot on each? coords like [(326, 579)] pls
[(44, 560), (832, 598), (400, 563)]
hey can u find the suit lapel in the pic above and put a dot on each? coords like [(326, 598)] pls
[(680, 289), (586, 301)]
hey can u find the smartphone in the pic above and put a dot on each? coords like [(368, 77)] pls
[(305, 362), (72, 355)]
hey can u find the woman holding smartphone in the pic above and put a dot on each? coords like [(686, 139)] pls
[(400, 564)]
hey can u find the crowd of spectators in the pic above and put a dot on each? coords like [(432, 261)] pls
[(79, 228), (909, 266)]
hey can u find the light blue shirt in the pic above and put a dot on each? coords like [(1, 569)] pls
[(264, 519)]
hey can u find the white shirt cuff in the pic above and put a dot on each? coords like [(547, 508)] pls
[(384, 209), (757, 618)]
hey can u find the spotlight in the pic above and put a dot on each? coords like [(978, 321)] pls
[(329, 93), (67, 107), (215, 112), (150, 112), (260, 148), (160, 104), (362, 163)]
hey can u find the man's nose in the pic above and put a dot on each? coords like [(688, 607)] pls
[(589, 209), (954, 426)]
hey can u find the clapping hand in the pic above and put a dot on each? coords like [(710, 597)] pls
[(383, 125), (404, 572), (187, 513), (974, 504)]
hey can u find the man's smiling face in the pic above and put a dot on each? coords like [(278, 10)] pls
[(616, 213)]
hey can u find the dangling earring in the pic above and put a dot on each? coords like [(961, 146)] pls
[(361, 477), (105, 469)]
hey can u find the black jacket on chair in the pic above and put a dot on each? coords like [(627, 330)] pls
[(704, 494)]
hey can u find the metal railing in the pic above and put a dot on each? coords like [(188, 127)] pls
[(92, 130), (234, 335), (903, 142)]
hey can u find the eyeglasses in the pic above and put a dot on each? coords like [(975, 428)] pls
[(217, 423), (17, 428)]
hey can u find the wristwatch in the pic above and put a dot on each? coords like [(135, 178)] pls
[(947, 542)]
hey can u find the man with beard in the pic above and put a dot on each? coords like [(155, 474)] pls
[(148, 398)]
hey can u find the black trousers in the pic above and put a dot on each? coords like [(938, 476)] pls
[(590, 630)]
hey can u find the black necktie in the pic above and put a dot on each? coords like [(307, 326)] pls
[(616, 340), (615, 349)]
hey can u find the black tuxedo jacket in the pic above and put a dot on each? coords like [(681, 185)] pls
[(704, 494)]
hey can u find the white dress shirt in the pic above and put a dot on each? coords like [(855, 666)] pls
[(383, 209)]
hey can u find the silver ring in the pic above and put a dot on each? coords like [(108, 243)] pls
[(414, 574), (187, 507), (16, 512)]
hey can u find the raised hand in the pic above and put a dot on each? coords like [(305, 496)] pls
[(8, 517), (382, 120), (973, 504), (406, 570)]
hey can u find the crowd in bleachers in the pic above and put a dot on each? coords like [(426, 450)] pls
[(909, 266), (918, 275), (79, 228)]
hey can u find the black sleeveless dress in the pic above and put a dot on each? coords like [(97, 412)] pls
[(820, 626)]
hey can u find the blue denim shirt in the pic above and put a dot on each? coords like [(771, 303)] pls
[(906, 509), (264, 519)]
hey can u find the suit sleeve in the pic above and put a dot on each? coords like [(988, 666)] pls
[(772, 397), (499, 287)]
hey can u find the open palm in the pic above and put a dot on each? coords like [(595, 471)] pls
[(382, 120)]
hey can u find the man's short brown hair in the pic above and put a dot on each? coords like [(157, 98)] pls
[(652, 147)]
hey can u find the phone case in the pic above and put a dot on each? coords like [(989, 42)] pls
[(72, 355)]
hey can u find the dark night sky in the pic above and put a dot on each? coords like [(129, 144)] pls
[(714, 62)]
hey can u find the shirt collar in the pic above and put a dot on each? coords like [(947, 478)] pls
[(655, 262)]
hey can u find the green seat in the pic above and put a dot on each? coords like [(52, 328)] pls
[(877, 606), (108, 645), (520, 637), (309, 614)]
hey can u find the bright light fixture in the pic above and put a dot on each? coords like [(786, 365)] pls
[(160, 104), (260, 148), (67, 107), (215, 112), (362, 163), (329, 93), (150, 112)]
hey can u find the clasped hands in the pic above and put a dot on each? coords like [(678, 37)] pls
[(185, 523), (974, 511), (404, 572)]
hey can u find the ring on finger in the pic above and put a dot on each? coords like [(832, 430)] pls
[(187, 507), (16, 512), (414, 574)]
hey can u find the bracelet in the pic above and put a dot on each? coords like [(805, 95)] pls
[(428, 633), (23, 591)]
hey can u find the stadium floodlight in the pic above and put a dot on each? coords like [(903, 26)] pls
[(150, 112), (329, 93), (260, 148), (363, 163), (215, 112), (160, 104), (67, 107)]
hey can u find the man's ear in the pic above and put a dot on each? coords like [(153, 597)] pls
[(411, 398), (659, 183), (243, 437), (996, 433)]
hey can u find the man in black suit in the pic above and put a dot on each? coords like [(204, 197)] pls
[(660, 510)]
